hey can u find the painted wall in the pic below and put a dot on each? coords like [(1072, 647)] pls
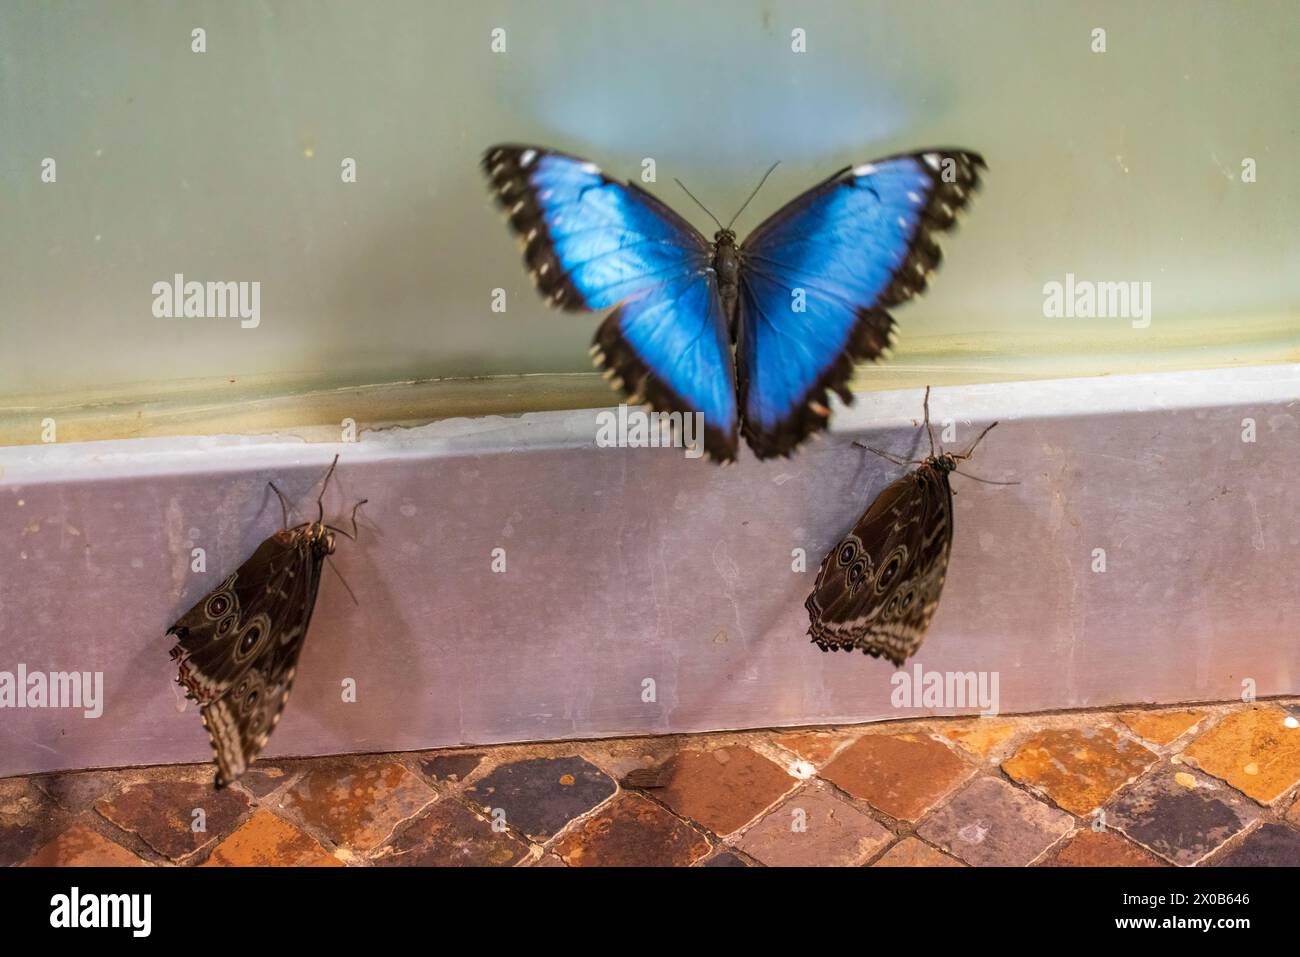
[(225, 165), (628, 564)]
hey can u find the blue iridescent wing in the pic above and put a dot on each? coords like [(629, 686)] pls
[(592, 243), (818, 275)]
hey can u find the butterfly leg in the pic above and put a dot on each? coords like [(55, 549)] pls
[(883, 455)]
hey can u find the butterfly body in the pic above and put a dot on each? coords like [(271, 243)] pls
[(237, 649), (751, 337), (726, 266)]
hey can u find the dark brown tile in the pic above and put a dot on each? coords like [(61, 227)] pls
[(175, 818), (77, 791), (28, 819), (452, 767), (1180, 815), (449, 834), (725, 859), (263, 779), (538, 796), (632, 831), (1269, 845)]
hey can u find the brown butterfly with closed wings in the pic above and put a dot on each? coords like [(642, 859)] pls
[(238, 647), (878, 588)]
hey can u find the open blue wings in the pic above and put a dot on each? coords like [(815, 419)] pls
[(592, 243), (818, 275), (815, 281)]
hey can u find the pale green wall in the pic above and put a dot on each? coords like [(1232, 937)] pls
[(226, 166)]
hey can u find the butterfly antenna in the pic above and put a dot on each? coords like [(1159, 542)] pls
[(978, 440), (697, 202), (753, 194), (350, 592), (928, 427), (320, 502), (353, 534), (984, 480), (284, 506), (884, 455)]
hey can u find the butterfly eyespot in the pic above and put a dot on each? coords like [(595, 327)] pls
[(890, 569), (907, 600), (217, 606), (243, 686), (250, 639), (848, 552), (857, 571), (224, 625)]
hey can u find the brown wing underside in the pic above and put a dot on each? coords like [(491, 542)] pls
[(878, 588), (238, 647)]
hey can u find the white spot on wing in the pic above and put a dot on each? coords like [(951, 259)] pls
[(932, 160), (866, 169), (527, 156)]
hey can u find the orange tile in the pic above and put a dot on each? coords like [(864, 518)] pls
[(1253, 750), (903, 775), (910, 852), (1160, 727), (1078, 768), (816, 747), (267, 841), (1091, 848), (723, 788), (984, 737), (79, 846)]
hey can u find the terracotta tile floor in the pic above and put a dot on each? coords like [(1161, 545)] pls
[(1197, 786)]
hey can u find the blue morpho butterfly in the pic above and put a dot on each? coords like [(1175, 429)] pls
[(802, 297)]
